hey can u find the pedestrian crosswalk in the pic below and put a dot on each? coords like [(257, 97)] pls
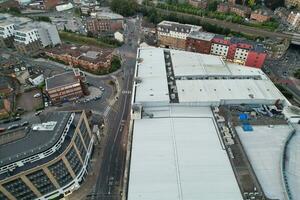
[(126, 92), (106, 111)]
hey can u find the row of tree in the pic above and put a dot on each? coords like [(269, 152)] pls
[(124, 7)]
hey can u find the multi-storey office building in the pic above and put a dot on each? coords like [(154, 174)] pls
[(66, 86), (173, 34), (36, 35), (45, 160), (8, 24)]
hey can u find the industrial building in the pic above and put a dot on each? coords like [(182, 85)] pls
[(45, 160), (180, 142)]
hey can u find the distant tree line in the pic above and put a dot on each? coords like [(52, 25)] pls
[(124, 7)]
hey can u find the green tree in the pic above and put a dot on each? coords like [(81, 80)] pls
[(212, 6), (297, 74), (115, 64), (124, 7), (251, 3)]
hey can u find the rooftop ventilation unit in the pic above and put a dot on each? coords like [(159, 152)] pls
[(48, 126)]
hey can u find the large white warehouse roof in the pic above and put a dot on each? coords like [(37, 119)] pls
[(179, 156), (199, 78)]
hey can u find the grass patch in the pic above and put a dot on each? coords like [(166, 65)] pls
[(84, 40)]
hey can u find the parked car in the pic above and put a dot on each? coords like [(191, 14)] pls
[(25, 123), (38, 112), (13, 126), (37, 95)]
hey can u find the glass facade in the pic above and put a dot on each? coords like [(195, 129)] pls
[(60, 173), (80, 146), (74, 161), (2, 196), (85, 134), (19, 190), (41, 181)]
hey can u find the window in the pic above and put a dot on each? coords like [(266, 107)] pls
[(41, 181), (60, 173), (19, 189)]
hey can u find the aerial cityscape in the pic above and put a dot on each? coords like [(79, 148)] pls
[(150, 99)]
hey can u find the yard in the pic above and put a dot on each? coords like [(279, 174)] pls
[(28, 102)]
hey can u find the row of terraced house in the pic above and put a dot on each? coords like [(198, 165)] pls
[(192, 38)]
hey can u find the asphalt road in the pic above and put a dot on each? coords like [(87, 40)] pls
[(282, 70), (113, 162)]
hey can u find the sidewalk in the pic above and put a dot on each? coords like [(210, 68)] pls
[(92, 176)]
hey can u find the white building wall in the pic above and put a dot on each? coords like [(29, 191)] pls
[(26, 37), (241, 54), (7, 30), (219, 49)]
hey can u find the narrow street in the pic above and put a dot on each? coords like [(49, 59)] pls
[(109, 181)]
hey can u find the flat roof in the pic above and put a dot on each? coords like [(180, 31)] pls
[(109, 15), (59, 80), (181, 158), (240, 90), (187, 63), (293, 164), (153, 86), (35, 141), (264, 148), (200, 78), (201, 35)]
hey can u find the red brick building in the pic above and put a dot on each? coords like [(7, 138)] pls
[(199, 3), (199, 42), (239, 10), (256, 59), (261, 15), (230, 48), (66, 86), (104, 23), (87, 57), (223, 8), (9, 4)]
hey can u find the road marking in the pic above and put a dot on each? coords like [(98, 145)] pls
[(126, 92), (105, 113)]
